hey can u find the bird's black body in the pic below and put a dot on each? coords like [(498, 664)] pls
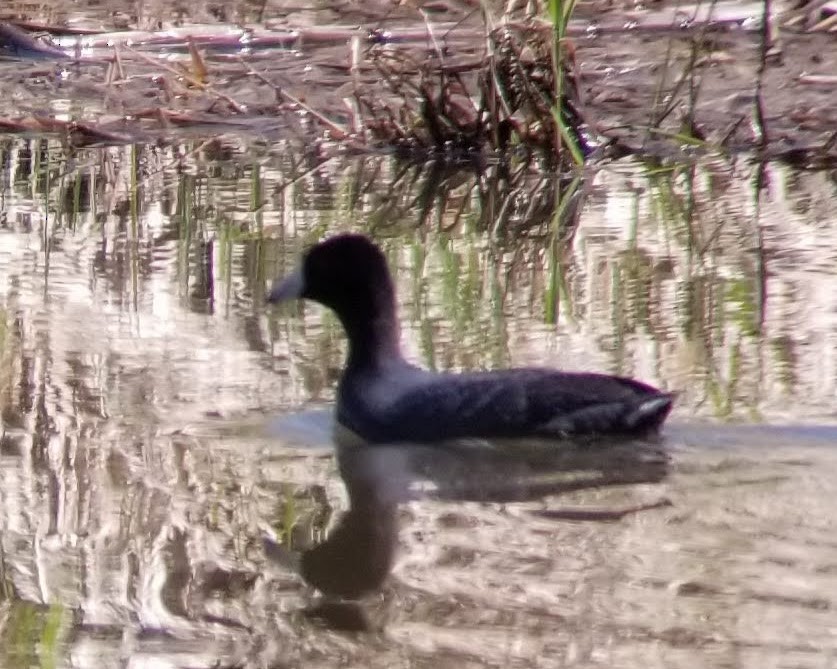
[(383, 398)]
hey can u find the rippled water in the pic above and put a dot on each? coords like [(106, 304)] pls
[(166, 468)]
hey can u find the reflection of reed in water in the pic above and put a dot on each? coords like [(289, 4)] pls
[(113, 523), (662, 277)]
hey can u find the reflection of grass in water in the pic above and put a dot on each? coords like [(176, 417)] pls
[(459, 254), (418, 268), (184, 215), (740, 299), (635, 295), (557, 288), (635, 271), (461, 288), (51, 636), (785, 356), (557, 291), (31, 635), (715, 311), (473, 306), (302, 516), (460, 240), (669, 207), (6, 585), (68, 201), (498, 336), (8, 345), (722, 393), (9, 356), (256, 192)]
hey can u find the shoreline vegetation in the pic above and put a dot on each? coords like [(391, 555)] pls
[(550, 88)]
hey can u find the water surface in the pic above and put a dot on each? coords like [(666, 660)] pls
[(166, 458)]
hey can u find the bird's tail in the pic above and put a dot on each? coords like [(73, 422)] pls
[(650, 413)]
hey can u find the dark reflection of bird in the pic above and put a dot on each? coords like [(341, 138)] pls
[(357, 556), (382, 398), (359, 553)]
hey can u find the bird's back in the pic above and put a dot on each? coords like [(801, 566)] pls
[(414, 405)]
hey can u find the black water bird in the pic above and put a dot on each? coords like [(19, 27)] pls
[(382, 398)]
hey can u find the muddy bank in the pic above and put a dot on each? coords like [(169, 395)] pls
[(652, 81)]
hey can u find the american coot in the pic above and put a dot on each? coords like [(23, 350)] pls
[(384, 398)]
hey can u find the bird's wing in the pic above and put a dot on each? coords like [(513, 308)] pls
[(509, 403)]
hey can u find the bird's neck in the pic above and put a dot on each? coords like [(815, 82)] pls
[(374, 337)]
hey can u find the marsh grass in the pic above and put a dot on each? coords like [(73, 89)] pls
[(518, 101), (471, 85), (563, 56)]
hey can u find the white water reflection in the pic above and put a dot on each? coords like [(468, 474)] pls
[(156, 418)]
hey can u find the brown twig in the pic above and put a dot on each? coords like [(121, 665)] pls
[(194, 81)]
